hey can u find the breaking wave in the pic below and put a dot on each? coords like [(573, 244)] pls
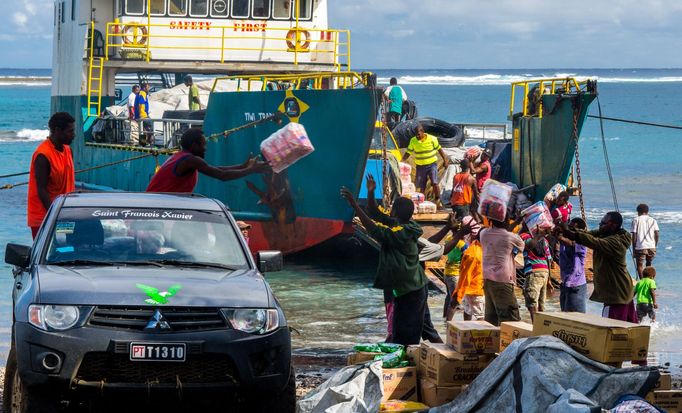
[(663, 217), (25, 81), (492, 79), (24, 135)]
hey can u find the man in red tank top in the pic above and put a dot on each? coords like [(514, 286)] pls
[(464, 191), (180, 172), (52, 172)]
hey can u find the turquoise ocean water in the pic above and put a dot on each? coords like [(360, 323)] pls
[(329, 302)]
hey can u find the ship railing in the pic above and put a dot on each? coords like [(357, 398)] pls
[(534, 89), (139, 40), (319, 80), (142, 134)]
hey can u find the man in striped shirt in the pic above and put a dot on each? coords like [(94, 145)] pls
[(537, 262)]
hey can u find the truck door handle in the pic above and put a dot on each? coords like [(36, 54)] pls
[(18, 285)]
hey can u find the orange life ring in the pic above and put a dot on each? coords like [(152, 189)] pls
[(134, 35), (303, 42)]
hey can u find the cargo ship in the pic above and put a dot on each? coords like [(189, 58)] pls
[(262, 57)]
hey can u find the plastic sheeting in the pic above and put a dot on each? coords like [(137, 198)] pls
[(353, 389), (543, 374)]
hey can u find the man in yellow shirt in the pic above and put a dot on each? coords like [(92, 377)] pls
[(142, 114), (425, 148)]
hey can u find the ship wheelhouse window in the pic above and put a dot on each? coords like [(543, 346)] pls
[(157, 7), (261, 9), (303, 9), (198, 8), (219, 8), (177, 7), (281, 9), (240, 9), (135, 7)]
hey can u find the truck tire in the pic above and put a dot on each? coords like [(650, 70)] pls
[(21, 399)]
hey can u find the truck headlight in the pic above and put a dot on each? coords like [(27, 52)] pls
[(56, 317), (252, 320)]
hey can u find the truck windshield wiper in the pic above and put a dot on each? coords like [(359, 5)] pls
[(182, 263), (84, 262)]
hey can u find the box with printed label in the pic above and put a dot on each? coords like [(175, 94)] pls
[(445, 367), (668, 400), (512, 330), (433, 395), (400, 384), (361, 357), (473, 337), (601, 339)]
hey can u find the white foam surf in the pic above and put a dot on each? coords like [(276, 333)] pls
[(493, 79), (24, 135)]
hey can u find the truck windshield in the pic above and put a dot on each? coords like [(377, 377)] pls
[(129, 235)]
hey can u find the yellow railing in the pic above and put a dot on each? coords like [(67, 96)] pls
[(319, 80), (296, 40), (542, 87)]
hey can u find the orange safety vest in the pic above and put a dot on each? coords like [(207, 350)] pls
[(62, 179), (461, 190)]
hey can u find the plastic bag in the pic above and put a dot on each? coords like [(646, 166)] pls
[(401, 406), (368, 348), (494, 200), (409, 189), (473, 152), (537, 216), (427, 207), (286, 146), (405, 169), (392, 360), (390, 347), (554, 192)]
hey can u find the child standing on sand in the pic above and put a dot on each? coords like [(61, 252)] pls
[(645, 294)]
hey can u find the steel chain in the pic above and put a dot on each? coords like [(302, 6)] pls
[(576, 112)]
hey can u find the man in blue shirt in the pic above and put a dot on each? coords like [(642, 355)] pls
[(142, 113)]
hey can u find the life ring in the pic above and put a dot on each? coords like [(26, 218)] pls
[(134, 35), (303, 42)]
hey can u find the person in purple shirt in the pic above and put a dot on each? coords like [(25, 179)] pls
[(573, 293)]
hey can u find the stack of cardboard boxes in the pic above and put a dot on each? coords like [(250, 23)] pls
[(446, 369)]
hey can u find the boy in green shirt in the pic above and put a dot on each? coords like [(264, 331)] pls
[(645, 294)]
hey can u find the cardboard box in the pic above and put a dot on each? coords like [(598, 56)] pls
[(412, 354), (473, 337), (361, 357), (512, 330), (434, 396), (601, 339), (665, 382), (668, 400), (445, 367), (400, 384)]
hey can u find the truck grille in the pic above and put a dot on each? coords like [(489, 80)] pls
[(137, 318), (118, 368)]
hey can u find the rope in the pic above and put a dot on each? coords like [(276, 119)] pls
[(276, 117), (92, 168), (606, 157), (12, 175), (636, 122)]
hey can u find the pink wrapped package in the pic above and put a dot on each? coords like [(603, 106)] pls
[(405, 169), (537, 216), (409, 189), (417, 198), (494, 200), (286, 146), (427, 207), (473, 152)]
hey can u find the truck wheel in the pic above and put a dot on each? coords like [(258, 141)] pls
[(20, 399)]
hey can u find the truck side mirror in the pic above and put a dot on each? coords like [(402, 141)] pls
[(270, 261), (18, 255)]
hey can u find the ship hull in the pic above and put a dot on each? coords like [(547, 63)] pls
[(291, 211)]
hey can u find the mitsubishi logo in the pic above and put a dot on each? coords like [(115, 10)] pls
[(157, 323)]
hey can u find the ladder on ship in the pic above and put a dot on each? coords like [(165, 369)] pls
[(95, 74)]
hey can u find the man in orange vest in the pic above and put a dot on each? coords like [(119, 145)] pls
[(52, 172), (464, 191)]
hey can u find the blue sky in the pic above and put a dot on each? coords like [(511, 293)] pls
[(449, 33)]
